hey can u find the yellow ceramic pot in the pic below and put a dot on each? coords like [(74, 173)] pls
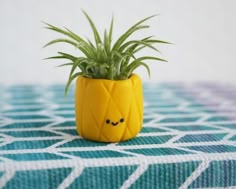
[(108, 110)]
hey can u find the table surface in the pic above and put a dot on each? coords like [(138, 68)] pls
[(188, 140)]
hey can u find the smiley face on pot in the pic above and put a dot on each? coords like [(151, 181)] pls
[(115, 123)]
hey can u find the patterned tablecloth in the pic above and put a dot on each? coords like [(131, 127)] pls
[(188, 140)]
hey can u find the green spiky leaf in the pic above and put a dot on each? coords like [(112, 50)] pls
[(61, 41), (94, 29), (71, 78), (135, 65), (67, 64)]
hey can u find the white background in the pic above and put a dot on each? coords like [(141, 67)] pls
[(204, 33)]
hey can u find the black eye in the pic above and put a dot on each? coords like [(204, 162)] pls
[(107, 121), (122, 120)]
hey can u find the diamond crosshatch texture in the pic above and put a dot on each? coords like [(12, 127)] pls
[(188, 140)]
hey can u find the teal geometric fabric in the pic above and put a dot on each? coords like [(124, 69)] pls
[(188, 140)]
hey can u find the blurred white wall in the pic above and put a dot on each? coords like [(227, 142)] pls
[(204, 33)]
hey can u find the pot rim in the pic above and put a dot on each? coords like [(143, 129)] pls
[(122, 80)]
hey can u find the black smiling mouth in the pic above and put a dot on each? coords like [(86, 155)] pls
[(114, 124)]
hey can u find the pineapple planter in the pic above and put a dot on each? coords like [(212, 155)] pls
[(108, 110), (108, 95)]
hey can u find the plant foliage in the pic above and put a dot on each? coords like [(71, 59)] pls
[(104, 59)]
